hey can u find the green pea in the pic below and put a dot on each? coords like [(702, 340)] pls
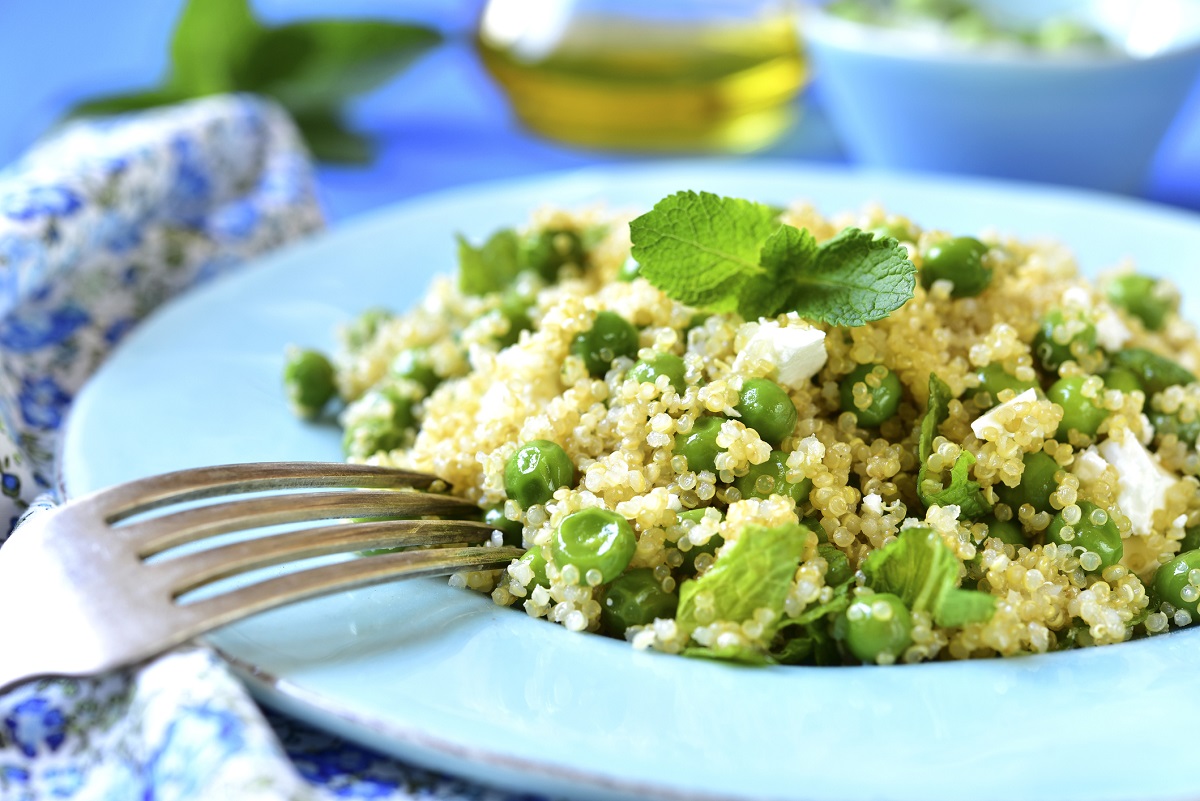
[(635, 598), (648, 370), (594, 539), (895, 229), (370, 437), (959, 260), (766, 407), (414, 364), (769, 478), (364, 327), (610, 336), (699, 445), (514, 309), (1007, 531), (1094, 533), (1060, 339), (1191, 539), (1122, 380), (308, 380), (511, 529), (1169, 423), (537, 563), (629, 270), (1155, 372), (688, 567), (1172, 584), (993, 379), (546, 251), (381, 420), (1143, 297), (885, 398), (536, 470), (838, 571), (1080, 413), (876, 625), (1037, 483)]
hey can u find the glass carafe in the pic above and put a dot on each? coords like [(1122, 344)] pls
[(685, 75)]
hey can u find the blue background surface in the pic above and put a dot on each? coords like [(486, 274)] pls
[(442, 123)]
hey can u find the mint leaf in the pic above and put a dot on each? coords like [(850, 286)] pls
[(725, 254), (753, 572), (962, 491), (960, 607), (317, 64), (785, 252), (330, 140), (699, 248), (489, 268), (856, 279), (730, 653), (919, 567)]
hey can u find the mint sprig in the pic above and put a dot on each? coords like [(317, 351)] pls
[(962, 491), (731, 255), (310, 67)]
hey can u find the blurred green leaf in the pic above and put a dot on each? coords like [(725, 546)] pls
[(210, 38), (120, 104), (310, 68), (318, 64), (330, 140)]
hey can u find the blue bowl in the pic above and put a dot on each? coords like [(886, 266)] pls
[(908, 100)]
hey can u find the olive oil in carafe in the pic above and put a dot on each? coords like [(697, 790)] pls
[(607, 82)]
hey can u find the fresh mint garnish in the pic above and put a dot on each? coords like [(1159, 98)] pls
[(490, 267), (725, 254), (962, 491)]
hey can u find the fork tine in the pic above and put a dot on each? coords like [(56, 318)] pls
[(184, 573), (143, 495), (219, 610), (158, 534)]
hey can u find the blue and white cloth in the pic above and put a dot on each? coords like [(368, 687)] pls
[(99, 225)]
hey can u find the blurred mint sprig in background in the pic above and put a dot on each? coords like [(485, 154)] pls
[(310, 67)]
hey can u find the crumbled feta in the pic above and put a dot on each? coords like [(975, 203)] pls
[(873, 502), (1077, 296), (991, 420), (1143, 481), (797, 351), (1089, 465), (1111, 333)]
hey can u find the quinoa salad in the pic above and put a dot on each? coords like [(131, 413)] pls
[(736, 431)]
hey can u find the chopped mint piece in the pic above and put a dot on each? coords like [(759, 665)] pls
[(919, 567), (489, 268), (962, 491), (753, 572)]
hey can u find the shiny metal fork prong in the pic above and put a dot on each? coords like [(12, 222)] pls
[(166, 531), (77, 596), (186, 572), (145, 494)]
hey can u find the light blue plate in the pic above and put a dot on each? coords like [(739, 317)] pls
[(443, 678)]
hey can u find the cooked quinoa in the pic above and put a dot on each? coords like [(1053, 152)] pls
[(485, 399)]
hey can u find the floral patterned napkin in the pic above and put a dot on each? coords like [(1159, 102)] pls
[(98, 225)]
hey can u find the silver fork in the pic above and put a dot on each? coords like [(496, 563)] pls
[(78, 596)]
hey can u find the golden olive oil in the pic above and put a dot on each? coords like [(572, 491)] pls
[(606, 82)]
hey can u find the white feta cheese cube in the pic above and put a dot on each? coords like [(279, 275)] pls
[(1111, 333), (1143, 481), (1077, 296), (797, 351), (874, 502), (989, 422)]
